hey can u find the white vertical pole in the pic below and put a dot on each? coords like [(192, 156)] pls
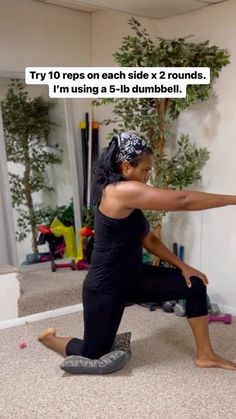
[(8, 235), (76, 169), (89, 156)]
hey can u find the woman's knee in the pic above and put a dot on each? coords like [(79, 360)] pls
[(198, 287), (196, 303)]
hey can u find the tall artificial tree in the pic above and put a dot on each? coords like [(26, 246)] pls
[(27, 126), (153, 118)]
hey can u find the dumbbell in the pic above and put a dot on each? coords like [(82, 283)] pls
[(55, 266), (226, 318), (81, 265), (214, 309), (180, 307), (152, 306), (168, 306)]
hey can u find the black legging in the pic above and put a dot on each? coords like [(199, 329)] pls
[(103, 312)]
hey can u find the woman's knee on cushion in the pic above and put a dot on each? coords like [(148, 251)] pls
[(74, 347)]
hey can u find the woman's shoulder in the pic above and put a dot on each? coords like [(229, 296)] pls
[(114, 202), (124, 194), (124, 187)]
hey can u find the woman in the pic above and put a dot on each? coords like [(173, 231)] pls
[(117, 274)]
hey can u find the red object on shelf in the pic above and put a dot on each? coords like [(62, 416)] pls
[(86, 231), (44, 229)]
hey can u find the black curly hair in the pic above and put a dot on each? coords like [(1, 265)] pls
[(107, 171)]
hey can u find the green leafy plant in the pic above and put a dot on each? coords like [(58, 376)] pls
[(46, 214), (88, 217), (27, 127), (65, 213), (153, 118)]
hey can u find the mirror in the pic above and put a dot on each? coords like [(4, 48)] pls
[(38, 163)]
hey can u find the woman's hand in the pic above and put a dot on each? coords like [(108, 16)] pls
[(188, 271)]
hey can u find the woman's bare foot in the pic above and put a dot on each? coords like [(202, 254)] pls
[(57, 344), (214, 361), (46, 333)]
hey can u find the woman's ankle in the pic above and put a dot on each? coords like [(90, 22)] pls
[(204, 353)]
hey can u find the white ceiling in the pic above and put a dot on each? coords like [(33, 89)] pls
[(156, 9)]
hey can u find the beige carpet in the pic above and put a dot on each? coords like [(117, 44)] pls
[(159, 382), (45, 290)]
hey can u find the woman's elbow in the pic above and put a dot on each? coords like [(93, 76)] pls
[(181, 202)]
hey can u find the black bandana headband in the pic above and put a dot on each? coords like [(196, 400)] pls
[(129, 146)]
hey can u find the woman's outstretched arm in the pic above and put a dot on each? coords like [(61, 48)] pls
[(133, 194)]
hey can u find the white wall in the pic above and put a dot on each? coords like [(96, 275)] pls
[(34, 34), (209, 236), (9, 294), (3, 248)]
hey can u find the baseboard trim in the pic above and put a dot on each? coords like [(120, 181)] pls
[(19, 321), (7, 324), (227, 309)]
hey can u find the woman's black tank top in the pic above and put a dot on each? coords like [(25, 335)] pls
[(117, 255)]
